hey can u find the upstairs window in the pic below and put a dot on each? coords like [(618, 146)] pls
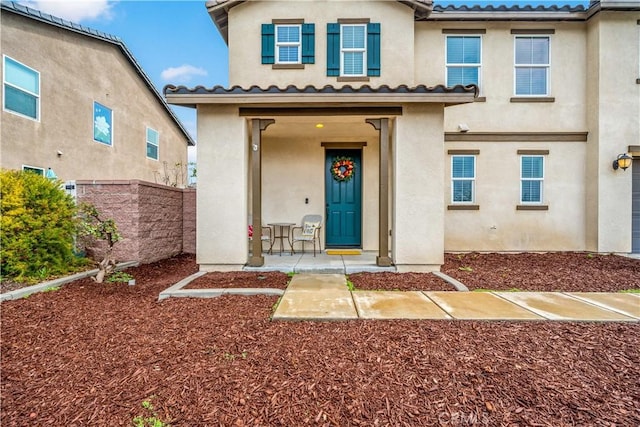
[(353, 49), (21, 89), (153, 143), (102, 124), (531, 66), (287, 43), (531, 179), (463, 176), (463, 60)]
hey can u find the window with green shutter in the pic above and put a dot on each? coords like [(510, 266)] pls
[(353, 50), (288, 43)]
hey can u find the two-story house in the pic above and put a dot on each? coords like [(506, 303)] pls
[(416, 130), (76, 101)]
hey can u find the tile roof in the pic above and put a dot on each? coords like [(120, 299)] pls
[(319, 96), (17, 8), (513, 8), (328, 89)]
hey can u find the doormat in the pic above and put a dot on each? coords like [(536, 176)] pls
[(344, 252)]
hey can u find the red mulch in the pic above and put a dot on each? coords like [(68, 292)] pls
[(240, 279), (566, 271), (89, 354), (399, 282)]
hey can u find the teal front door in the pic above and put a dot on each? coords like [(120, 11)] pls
[(343, 194)]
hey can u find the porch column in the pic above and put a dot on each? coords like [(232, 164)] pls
[(257, 126), (382, 125)]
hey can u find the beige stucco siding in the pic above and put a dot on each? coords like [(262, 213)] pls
[(221, 242), (567, 82), (246, 69), (418, 218), (497, 225), (614, 118), (76, 70)]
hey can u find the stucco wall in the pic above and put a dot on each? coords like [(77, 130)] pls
[(566, 81), (246, 69), (614, 119), (497, 225), (76, 70), (155, 221)]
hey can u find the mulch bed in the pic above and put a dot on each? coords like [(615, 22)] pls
[(240, 279), (399, 282), (565, 271), (90, 354)]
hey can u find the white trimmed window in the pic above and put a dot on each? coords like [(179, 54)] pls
[(464, 61), (532, 66), (153, 144), (353, 50), (21, 94), (463, 178), (288, 44), (531, 179), (33, 169)]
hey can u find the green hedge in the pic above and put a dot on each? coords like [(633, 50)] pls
[(38, 227)]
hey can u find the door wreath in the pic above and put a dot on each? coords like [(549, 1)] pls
[(343, 168)]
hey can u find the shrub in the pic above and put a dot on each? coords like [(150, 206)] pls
[(38, 221)]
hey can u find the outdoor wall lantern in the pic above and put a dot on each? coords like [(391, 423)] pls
[(623, 162)]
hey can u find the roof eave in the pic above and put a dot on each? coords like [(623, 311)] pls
[(192, 100)]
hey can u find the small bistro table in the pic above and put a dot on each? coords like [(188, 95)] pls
[(279, 230)]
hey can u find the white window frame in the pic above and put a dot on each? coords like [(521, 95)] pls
[(288, 44), (473, 181), (463, 65), (6, 83), (146, 137), (33, 168), (546, 66), (348, 50), (541, 179)]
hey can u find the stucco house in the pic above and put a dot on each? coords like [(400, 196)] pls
[(75, 100), (416, 129)]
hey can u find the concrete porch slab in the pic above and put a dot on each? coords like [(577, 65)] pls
[(328, 304), (480, 306), (558, 306), (396, 305), (623, 303)]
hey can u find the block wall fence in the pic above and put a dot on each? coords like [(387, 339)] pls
[(155, 221)]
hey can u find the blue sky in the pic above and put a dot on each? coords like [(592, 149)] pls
[(174, 41)]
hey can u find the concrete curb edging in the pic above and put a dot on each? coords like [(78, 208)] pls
[(453, 282), (176, 290), (40, 287)]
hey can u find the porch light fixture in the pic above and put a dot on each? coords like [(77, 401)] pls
[(50, 174), (319, 125), (623, 162)]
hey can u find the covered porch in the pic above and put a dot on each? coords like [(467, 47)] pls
[(265, 157)]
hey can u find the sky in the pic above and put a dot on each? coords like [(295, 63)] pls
[(175, 42)]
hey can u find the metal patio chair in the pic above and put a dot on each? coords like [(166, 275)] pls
[(308, 232)]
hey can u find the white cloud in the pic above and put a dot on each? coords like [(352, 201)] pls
[(73, 10), (182, 74)]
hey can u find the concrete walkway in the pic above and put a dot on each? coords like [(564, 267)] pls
[(326, 297)]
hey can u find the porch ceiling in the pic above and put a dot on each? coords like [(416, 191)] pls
[(342, 127)]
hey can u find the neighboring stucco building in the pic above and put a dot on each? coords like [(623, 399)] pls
[(470, 128), (76, 101)]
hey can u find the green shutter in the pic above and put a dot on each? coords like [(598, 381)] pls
[(268, 44), (373, 50), (308, 43), (333, 49)]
